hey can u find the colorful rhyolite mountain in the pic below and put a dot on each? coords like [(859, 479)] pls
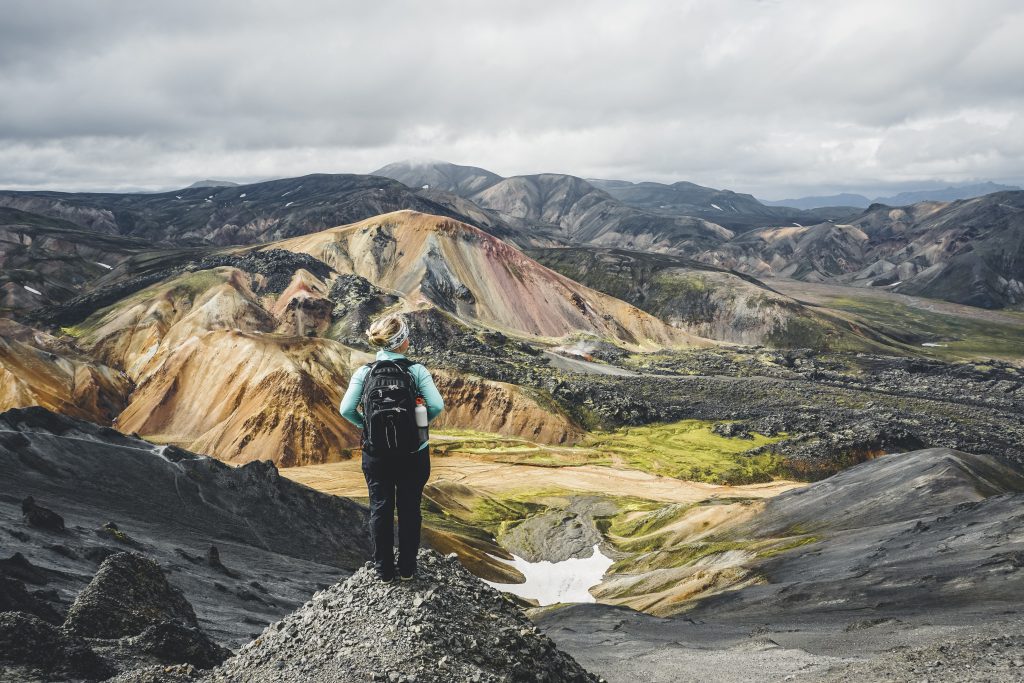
[(244, 366)]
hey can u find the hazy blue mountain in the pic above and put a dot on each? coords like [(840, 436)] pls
[(211, 183), (440, 175), (949, 194), (845, 199)]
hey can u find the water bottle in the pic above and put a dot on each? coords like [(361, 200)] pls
[(421, 419)]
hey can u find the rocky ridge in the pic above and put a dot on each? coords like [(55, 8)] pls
[(276, 542)]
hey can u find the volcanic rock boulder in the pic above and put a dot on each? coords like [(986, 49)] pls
[(18, 566), (31, 649), (128, 594), (446, 625), (38, 516), (14, 597), (168, 643)]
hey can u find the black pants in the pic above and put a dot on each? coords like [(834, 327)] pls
[(392, 481)]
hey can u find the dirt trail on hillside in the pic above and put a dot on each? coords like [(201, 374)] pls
[(346, 479)]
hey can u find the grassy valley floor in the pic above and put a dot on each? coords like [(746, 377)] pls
[(506, 467), (490, 495), (941, 329)]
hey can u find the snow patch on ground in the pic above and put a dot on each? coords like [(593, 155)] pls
[(288, 204), (33, 290), (241, 195), (718, 207), (104, 265), (552, 582), (941, 346)]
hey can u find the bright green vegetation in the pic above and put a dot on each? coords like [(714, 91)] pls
[(787, 545), (657, 537), (456, 506), (962, 337), (687, 450), (627, 525), (688, 553), (470, 442), (683, 554)]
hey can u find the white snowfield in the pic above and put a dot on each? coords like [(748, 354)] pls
[(33, 290), (718, 207), (552, 582), (104, 265)]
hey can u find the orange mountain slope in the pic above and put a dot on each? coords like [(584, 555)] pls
[(37, 370)]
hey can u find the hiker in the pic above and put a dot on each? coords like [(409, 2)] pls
[(396, 458)]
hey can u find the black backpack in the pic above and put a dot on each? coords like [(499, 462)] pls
[(389, 402)]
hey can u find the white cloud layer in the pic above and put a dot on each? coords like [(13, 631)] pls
[(776, 98)]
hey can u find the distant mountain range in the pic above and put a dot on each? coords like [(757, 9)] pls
[(562, 208), (738, 212), (970, 251), (948, 194), (967, 251), (248, 214), (604, 211)]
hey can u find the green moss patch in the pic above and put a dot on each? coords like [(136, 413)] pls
[(689, 450)]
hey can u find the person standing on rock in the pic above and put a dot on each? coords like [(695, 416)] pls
[(382, 399)]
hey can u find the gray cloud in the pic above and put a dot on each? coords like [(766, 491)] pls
[(776, 98)]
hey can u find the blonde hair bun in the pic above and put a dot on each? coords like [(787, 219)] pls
[(388, 332)]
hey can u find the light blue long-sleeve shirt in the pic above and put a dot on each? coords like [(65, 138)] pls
[(424, 383)]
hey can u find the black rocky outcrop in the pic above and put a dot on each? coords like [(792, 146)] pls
[(356, 300), (128, 594), (32, 649), (128, 619), (14, 597), (18, 566), (41, 518), (166, 644), (446, 625), (213, 560)]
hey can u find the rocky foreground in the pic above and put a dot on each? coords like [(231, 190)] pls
[(445, 625), (128, 617)]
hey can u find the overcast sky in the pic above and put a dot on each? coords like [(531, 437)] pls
[(779, 98)]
